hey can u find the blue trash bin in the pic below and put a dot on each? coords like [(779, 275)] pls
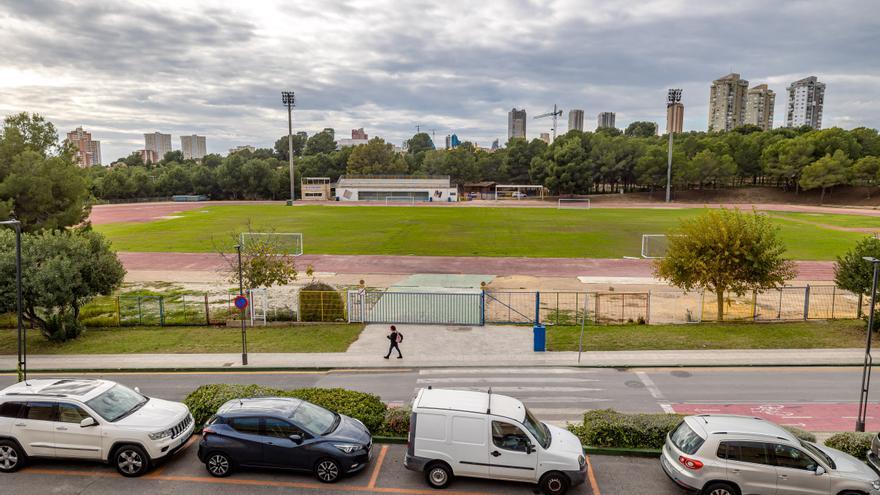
[(540, 341)]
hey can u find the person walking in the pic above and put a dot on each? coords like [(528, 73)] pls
[(396, 338)]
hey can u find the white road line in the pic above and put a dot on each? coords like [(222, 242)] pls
[(526, 389), (504, 371), (502, 379), (655, 392)]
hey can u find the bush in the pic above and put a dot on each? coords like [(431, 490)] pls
[(854, 444), (61, 327), (396, 422), (609, 428), (801, 434), (368, 408), (321, 302)]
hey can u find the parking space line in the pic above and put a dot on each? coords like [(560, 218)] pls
[(377, 467), (592, 477)]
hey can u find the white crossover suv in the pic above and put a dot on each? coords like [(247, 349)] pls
[(718, 454), (88, 419)]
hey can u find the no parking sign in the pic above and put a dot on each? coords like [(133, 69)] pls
[(241, 302)]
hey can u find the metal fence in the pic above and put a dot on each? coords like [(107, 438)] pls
[(449, 308)]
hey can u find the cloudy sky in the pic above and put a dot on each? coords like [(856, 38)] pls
[(217, 68)]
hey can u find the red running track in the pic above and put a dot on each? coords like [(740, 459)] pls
[(808, 416), (407, 265)]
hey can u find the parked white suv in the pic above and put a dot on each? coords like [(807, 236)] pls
[(729, 455), (88, 419)]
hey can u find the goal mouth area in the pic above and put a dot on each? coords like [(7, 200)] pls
[(654, 246), (573, 204), (286, 243), (407, 200)]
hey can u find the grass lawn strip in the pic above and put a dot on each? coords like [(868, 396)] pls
[(798, 335), (185, 340), (435, 231)]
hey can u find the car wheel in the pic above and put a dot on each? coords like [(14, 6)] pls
[(131, 461), (328, 471), (218, 465), (438, 475), (554, 483), (12, 458), (720, 489)]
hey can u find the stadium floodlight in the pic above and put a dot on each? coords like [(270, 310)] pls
[(672, 97), (866, 368), (288, 98)]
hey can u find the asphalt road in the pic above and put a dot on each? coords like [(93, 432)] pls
[(821, 397)]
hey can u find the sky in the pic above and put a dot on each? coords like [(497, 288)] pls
[(217, 68)]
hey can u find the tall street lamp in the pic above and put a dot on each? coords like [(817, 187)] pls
[(866, 370), (244, 358), (289, 100), (22, 344), (672, 97)]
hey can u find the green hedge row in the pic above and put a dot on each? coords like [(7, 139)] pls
[(854, 444), (612, 429), (368, 408)]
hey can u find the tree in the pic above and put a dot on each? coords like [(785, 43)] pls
[(459, 164), (867, 171), (282, 149), (321, 142), (266, 261), (174, 179), (172, 156), (853, 273), (785, 160), (725, 251), (419, 143), (828, 171), (61, 272), (709, 167), (641, 129), (375, 158), (39, 180)]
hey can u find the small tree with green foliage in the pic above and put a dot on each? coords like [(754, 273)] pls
[(725, 251), (853, 273), (828, 171), (266, 260)]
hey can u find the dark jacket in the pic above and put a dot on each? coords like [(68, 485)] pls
[(393, 336)]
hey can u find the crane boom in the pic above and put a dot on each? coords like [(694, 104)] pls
[(555, 114)]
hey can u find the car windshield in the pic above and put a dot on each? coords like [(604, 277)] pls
[(538, 429), (313, 419), (117, 403), (818, 452)]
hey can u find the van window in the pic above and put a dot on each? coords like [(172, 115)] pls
[(686, 439), (509, 437), (431, 427), (471, 431)]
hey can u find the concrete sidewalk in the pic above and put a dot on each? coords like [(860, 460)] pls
[(622, 359)]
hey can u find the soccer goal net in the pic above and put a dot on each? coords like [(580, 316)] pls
[(573, 204), (654, 246), (274, 243), (400, 200)]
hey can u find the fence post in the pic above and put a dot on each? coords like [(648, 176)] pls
[(118, 313), (779, 311), (833, 297), (322, 305), (648, 308), (207, 311), (482, 308), (807, 302), (537, 307), (754, 305), (557, 307), (161, 311), (185, 321), (140, 312)]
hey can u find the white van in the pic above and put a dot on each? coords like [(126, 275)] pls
[(486, 435)]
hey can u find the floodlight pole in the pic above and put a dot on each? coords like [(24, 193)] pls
[(22, 344), (244, 359), (866, 369), (289, 99), (673, 97)]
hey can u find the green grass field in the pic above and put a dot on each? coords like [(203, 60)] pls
[(184, 340), (796, 335), (437, 231)]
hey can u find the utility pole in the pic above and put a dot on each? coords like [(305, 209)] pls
[(22, 343), (673, 97), (866, 369), (244, 357), (288, 98)]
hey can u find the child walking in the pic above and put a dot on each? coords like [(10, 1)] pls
[(395, 337)]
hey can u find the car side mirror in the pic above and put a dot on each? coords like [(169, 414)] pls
[(820, 470), (297, 439), (85, 423), (529, 448)]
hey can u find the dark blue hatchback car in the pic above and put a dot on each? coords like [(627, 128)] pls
[(284, 433)]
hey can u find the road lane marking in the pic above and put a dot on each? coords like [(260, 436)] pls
[(377, 467), (654, 391), (233, 371), (505, 379), (522, 389), (592, 477)]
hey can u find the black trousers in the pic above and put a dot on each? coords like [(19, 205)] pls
[(391, 348)]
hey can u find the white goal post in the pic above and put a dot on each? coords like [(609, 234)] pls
[(409, 200), (573, 204), (290, 243), (654, 246)]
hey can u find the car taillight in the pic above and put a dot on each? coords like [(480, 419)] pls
[(690, 463)]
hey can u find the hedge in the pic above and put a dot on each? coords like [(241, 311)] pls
[(368, 408), (611, 429), (854, 444), (321, 302), (396, 422)]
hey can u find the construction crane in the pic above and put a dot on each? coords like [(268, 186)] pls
[(556, 113)]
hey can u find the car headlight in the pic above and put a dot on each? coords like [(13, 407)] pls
[(161, 434), (875, 485), (348, 448), (582, 462)]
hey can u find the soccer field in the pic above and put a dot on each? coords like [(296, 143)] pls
[(435, 231)]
